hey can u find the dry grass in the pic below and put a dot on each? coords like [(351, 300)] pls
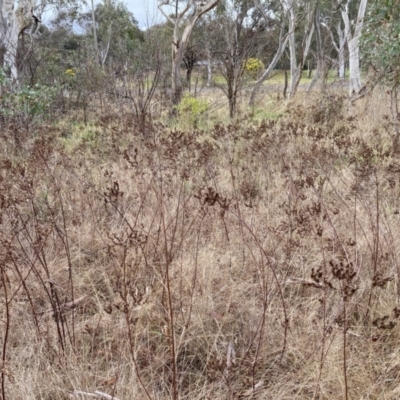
[(248, 261)]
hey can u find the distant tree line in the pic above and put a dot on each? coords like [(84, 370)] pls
[(103, 50)]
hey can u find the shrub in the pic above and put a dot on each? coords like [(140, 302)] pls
[(191, 110), (70, 73), (253, 66), (26, 104)]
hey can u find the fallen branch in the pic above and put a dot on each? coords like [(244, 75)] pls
[(253, 391), (65, 307), (306, 283)]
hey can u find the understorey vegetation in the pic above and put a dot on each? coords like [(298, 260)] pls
[(252, 259)]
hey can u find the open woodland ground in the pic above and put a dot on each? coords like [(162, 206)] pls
[(257, 258)]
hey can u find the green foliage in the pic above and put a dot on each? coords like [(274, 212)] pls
[(381, 41), (70, 73), (191, 110), (117, 30), (27, 103), (2, 77), (253, 66), (66, 44), (115, 14)]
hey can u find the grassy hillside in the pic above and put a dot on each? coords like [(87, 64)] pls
[(247, 260)]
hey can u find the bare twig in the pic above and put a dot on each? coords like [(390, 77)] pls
[(96, 394), (68, 306)]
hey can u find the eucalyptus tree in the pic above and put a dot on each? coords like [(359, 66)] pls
[(198, 49), (114, 35), (184, 17), (117, 31), (353, 30), (237, 32), (326, 51), (301, 21), (338, 42), (130, 59), (15, 18), (332, 23), (200, 46), (60, 46), (67, 41), (20, 19), (275, 18), (190, 58), (320, 51)]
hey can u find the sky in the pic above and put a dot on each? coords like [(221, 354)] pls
[(144, 11)]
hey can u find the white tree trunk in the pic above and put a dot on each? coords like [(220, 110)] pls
[(180, 40), (209, 67), (269, 69), (320, 72), (353, 45), (283, 41), (354, 64), (96, 44), (103, 53), (295, 78), (15, 16), (296, 66), (341, 52), (292, 47), (340, 48)]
